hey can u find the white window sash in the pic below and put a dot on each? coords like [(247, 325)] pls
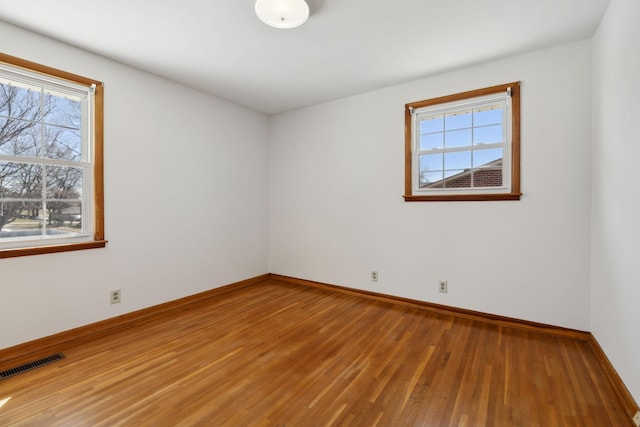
[(417, 114)]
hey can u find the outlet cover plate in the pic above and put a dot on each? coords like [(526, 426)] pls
[(116, 296), (443, 286), (636, 418)]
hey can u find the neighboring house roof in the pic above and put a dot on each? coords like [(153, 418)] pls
[(487, 175)]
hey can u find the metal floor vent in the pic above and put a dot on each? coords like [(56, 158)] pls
[(31, 365)]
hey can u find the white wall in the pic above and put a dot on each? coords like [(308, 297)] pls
[(185, 201), (615, 256), (336, 207)]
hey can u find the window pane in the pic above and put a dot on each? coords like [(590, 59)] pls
[(64, 182), (20, 181), (487, 117), (488, 177), (457, 160), (18, 219), (431, 162), (64, 217), (458, 179), (458, 138), (431, 179), (62, 111), (431, 170), (431, 140), (434, 124), (19, 137), (457, 120), (486, 157), (487, 134), (63, 143), (19, 103)]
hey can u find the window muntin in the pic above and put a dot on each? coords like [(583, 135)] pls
[(464, 146), (50, 160)]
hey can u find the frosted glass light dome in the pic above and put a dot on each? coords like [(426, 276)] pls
[(282, 13)]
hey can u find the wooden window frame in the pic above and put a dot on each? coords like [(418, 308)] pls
[(98, 240), (472, 195)]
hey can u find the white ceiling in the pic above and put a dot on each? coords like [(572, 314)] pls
[(346, 46)]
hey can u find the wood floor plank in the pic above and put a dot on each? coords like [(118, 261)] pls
[(281, 354)]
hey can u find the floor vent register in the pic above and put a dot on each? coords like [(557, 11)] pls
[(31, 365)]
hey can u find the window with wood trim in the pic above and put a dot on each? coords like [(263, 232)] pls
[(51, 160), (464, 146)]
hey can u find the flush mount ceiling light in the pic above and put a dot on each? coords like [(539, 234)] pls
[(282, 13)]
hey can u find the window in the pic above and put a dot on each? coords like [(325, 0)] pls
[(51, 196), (464, 146)]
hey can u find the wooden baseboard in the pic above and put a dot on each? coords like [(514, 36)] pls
[(40, 347), (444, 309), (616, 382)]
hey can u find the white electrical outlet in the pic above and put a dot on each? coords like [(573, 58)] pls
[(636, 419), (116, 296), (443, 287), (374, 276)]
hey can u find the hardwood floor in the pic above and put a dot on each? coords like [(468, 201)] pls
[(280, 354)]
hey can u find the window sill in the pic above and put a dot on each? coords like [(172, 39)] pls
[(12, 253), (461, 197)]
